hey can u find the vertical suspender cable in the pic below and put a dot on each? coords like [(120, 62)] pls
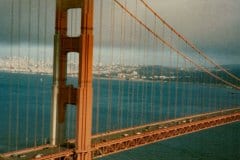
[(183, 89), (118, 62), (169, 80), (37, 80), (122, 44), (142, 39), (190, 75), (44, 63), (202, 79), (11, 80), (18, 81), (215, 92), (184, 74), (209, 92), (135, 46), (204, 89), (98, 65), (133, 58), (144, 86), (129, 106), (143, 119), (153, 55), (161, 106), (28, 61), (198, 78), (176, 88), (148, 71), (193, 106), (191, 72), (109, 110), (130, 83)]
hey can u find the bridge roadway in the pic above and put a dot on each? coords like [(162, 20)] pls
[(117, 141)]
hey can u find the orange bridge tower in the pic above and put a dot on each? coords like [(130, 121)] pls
[(64, 94)]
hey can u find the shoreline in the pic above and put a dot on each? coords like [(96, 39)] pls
[(119, 79)]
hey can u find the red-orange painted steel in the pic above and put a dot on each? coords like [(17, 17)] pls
[(81, 96), (84, 96), (104, 148), (137, 140)]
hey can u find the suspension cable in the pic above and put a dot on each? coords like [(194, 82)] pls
[(173, 48), (189, 43)]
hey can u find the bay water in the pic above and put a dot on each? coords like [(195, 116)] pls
[(25, 107)]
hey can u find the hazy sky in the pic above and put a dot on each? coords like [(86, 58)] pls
[(213, 25)]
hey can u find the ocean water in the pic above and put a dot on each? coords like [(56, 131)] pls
[(25, 102)]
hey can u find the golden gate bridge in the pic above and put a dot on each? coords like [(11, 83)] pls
[(145, 94)]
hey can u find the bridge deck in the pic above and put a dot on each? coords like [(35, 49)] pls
[(109, 143)]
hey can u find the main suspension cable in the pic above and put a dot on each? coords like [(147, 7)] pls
[(189, 43), (174, 49)]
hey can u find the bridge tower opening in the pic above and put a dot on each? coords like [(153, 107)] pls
[(64, 94)]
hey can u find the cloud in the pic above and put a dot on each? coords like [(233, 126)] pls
[(28, 21), (208, 23), (213, 25)]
